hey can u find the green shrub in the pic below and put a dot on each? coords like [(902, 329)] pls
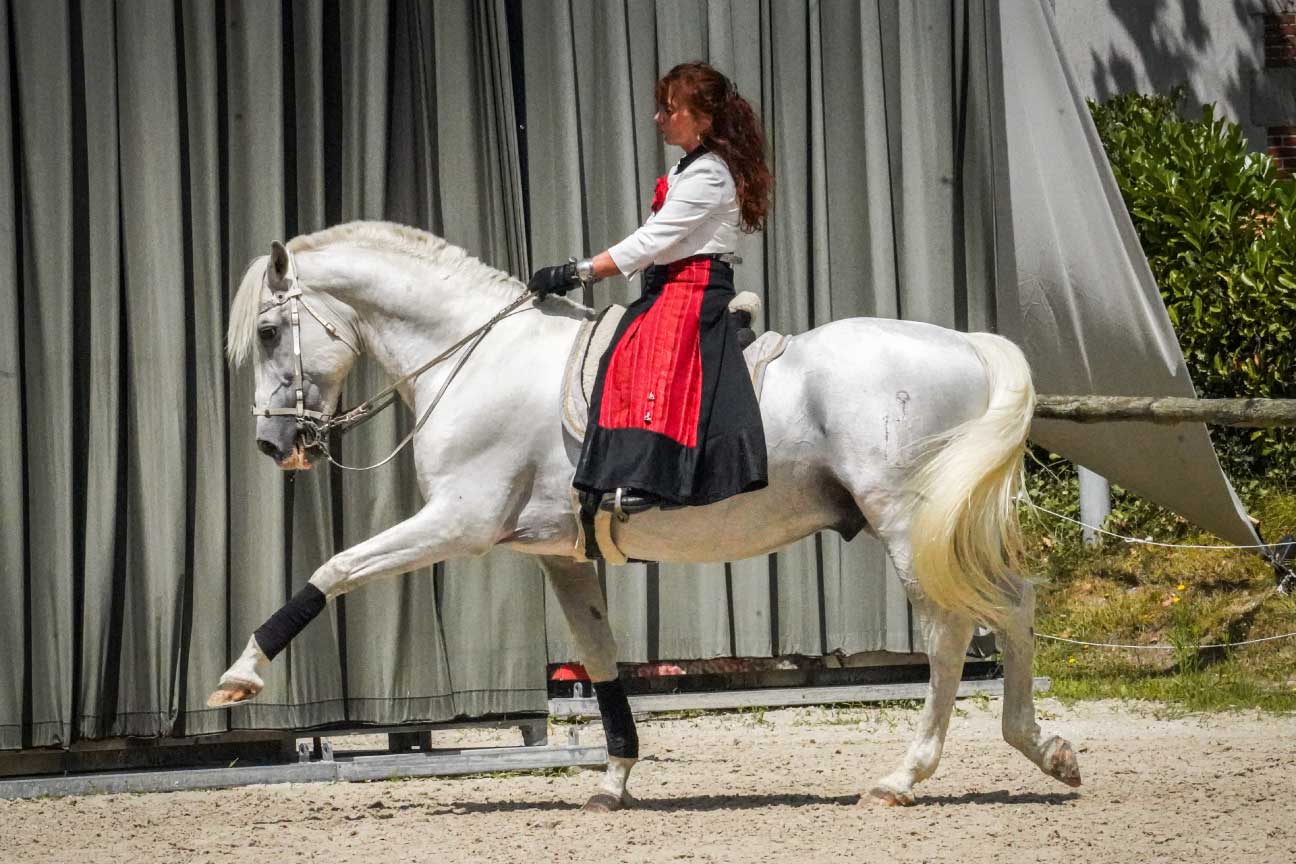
[(1219, 229)]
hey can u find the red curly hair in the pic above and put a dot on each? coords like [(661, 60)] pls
[(734, 133)]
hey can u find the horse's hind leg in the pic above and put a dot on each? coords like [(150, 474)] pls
[(1054, 755), (948, 635), (581, 597)]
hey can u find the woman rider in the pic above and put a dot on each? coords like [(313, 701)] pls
[(673, 417)]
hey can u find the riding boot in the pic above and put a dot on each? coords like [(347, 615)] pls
[(589, 505), (626, 501)]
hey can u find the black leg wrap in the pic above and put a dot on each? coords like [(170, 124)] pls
[(275, 634), (618, 723)]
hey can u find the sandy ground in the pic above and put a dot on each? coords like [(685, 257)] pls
[(777, 786)]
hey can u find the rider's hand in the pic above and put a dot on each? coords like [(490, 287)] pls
[(558, 279)]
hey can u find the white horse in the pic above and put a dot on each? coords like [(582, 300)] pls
[(498, 471)]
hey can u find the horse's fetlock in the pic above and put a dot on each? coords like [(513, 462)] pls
[(1024, 736)]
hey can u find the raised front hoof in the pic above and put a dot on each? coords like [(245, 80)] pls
[(606, 802), (1060, 762), (231, 693), (883, 795)]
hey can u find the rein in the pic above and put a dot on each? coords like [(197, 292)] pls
[(316, 426)]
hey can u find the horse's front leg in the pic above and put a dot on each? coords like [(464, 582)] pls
[(581, 597), (431, 535)]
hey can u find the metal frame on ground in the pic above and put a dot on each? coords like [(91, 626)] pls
[(321, 764)]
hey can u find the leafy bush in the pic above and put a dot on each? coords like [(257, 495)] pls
[(1219, 229)]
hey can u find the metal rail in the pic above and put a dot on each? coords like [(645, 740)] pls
[(777, 697), (481, 760)]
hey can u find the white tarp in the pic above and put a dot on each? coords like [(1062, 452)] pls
[(1088, 312)]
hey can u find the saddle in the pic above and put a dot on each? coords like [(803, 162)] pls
[(591, 343)]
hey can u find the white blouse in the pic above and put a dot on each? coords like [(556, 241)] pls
[(699, 217)]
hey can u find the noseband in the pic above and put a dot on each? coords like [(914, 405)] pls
[(296, 302), (315, 426)]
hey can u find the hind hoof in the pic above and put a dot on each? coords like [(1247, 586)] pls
[(1060, 762)]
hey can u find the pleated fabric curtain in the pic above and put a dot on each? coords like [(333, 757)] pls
[(886, 133), (151, 149)]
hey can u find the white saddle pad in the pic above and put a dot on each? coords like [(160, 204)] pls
[(592, 342)]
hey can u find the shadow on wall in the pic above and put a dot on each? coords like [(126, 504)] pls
[(1168, 52)]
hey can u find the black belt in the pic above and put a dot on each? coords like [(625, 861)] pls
[(728, 258), (723, 257)]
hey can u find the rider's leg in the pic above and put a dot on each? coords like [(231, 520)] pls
[(578, 591)]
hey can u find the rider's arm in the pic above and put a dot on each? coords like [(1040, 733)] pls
[(702, 189), (604, 266), (692, 198)]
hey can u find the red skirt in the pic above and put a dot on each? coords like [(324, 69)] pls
[(673, 413)]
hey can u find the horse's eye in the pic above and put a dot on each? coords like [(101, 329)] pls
[(268, 332)]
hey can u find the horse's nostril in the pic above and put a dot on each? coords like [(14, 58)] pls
[(268, 448)]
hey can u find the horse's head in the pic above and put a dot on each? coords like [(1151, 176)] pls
[(303, 344)]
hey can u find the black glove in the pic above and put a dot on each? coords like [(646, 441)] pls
[(558, 279)]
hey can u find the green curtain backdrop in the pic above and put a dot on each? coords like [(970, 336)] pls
[(151, 148)]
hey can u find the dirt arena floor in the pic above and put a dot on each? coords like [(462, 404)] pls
[(774, 786)]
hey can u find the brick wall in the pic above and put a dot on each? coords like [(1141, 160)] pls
[(1280, 40), (1280, 51), (1282, 147)]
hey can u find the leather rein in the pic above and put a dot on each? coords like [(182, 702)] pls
[(314, 427)]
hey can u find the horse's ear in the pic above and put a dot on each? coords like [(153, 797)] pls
[(278, 265)]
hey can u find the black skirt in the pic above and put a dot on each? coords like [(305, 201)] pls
[(673, 413)]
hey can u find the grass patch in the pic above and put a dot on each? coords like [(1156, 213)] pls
[(1182, 598)]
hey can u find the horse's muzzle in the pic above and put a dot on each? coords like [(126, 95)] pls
[(269, 449), (293, 460), (281, 440)]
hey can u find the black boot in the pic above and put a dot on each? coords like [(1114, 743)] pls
[(589, 504), (625, 502)]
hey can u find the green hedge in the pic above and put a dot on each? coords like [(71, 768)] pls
[(1219, 229)]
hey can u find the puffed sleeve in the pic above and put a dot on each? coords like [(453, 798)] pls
[(693, 196)]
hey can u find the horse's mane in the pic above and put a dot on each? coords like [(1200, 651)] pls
[(413, 242), (382, 236)]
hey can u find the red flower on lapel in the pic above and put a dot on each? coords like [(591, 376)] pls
[(659, 193)]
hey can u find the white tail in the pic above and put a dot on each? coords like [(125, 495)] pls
[(964, 531)]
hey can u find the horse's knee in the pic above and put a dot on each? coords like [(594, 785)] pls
[(599, 665)]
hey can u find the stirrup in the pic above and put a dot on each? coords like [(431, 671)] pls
[(596, 512)]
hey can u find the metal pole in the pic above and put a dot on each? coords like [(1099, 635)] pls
[(1095, 502)]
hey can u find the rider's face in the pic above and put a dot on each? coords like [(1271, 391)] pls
[(679, 125)]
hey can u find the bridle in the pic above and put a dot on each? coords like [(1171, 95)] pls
[(314, 427)]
